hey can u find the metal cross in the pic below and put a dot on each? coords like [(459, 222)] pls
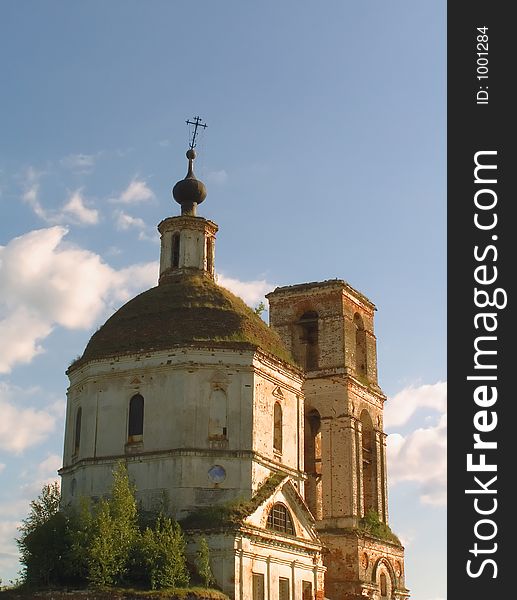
[(197, 123)]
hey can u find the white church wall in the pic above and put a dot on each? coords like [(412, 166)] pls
[(236, 557), (177, 412), (274, 384)]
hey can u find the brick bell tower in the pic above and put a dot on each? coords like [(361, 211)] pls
[(328, 326)]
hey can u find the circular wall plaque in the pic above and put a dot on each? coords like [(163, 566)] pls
[(216, 474)]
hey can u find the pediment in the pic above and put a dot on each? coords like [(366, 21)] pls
[(287, 495)]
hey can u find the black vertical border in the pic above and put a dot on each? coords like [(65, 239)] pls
[(476, 127)]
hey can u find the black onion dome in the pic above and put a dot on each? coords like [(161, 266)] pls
[(189, 191), (192, 311)]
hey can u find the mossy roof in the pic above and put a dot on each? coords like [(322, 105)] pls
[(232, 514), (192, 310)]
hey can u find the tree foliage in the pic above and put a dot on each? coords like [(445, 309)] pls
[(163, 554), (101, 544), (203, 563), (44, 539), (113, 533)]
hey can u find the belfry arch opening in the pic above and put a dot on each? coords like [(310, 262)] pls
[(361, 367), (368, 462), (307, 348), (312, 460)]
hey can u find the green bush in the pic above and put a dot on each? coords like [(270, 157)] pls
[(203, 567), (162, 551), (372, 525), (100, 544), (114, 533), (44, 541)]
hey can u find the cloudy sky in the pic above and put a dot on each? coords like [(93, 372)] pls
[(324, 157)]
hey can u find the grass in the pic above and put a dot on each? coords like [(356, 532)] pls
[(372, 525), (190, 593), (193, 310)]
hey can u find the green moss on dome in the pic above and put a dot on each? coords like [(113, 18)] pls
[(193, 310)]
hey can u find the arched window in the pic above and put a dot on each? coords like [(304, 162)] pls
[(136, 418), (360, 346), (308, 329), (383, 585), (277, 427), (368, 462), (175, 259), (279, 519), (217, 422), (77, 432)]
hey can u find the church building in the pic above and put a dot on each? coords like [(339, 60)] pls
[(266, 440)]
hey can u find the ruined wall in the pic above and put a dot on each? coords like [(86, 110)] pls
[(356, 564)]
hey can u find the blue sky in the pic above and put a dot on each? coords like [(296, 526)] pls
[(324, 157)]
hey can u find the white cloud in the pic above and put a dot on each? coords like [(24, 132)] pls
[(252, 292), (47, 282), (421, 457), (123, 221), (31, 192), (399, 409), (79, 212), (79, 163), (74, 210), (45, 473), (217, 177), (136, 191), (21, 426), (20, 332)]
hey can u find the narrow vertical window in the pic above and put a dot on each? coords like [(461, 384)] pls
[(77, 436), (175, 262), (360, 346), (210, 255), (277, 427), (136, 418)]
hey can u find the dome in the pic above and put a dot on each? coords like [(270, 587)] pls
[(192, 310), (189, 191)]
